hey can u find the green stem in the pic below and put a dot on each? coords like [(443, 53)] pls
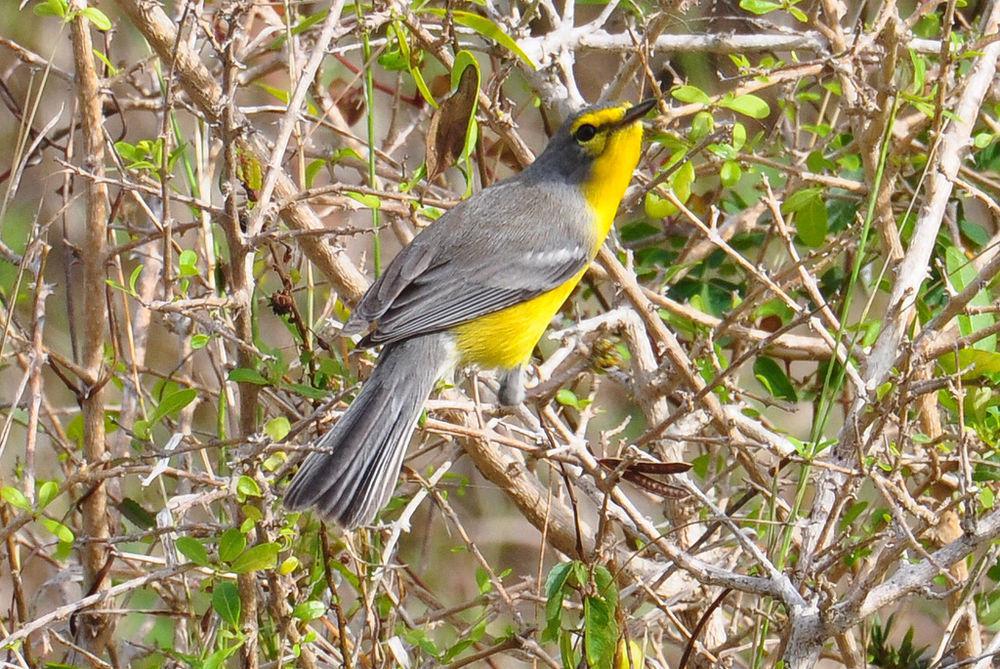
[(370, 109)]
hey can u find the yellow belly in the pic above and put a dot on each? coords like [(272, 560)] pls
[(506, 338)]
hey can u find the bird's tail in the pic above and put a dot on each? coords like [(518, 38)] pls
[(351, 475)]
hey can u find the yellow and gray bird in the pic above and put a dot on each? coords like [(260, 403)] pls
[(477, 288)]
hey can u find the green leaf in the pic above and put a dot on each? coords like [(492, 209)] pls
[(798, 14), (773, 378), (309, 610), (961, 273), (174, 402), (739, 136), (231, 544), (47, 492), (112, 70), (61, 532), (15, 498), (277, 428), (200, 340), (262, 556), (570, 658), (279, 94), (136, 514), (226, 602), (811, 218), (691, 94), (760, 7), (986, 498), (312, 169), (702, 126), (288, 565), (554, 595), (188, 263), (730, 173), (600, 632), (658, 207), (682, 180), (98, 18), (567, 397), (193, 550), (59, 8), (974, 362), (748, 105), (368, 200), (487, 29), (133, 278), (244, 375), (247, 487)]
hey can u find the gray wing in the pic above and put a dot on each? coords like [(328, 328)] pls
[(487, 254)]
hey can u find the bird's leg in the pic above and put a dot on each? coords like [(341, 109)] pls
[(511, 391)]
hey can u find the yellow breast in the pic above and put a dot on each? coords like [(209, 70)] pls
[(506, 338)]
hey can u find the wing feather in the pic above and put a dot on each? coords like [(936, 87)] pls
[(485, 255)]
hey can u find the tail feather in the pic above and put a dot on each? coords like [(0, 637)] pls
[(353, 472)]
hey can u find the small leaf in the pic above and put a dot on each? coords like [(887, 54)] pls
[(138, 516), (247, 487), (188, 262), (226, 602), (748, 105), (58, 8), (567, 398), (730, 173), (367, 199), (309, 610), (986, 498), (277, 428), (288, 565), (262, 556), (702, 126), (98, 18), (200, 340), (231, 544), (133, 278), (15, 498), (773, 378), (193, 550), (554, 595), (174, 402), (759, 7), (61, 532), (312, 169), (691, 94), (47, 492), (244, 375)]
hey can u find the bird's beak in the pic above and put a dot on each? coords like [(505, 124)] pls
[(635, 113)]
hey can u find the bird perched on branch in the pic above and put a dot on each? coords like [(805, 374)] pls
[(477, 287)]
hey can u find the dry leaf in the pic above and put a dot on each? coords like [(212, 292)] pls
[(349, 100), (636, 473), (449, 124)]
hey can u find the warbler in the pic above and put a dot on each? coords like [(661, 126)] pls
[(477, 288)]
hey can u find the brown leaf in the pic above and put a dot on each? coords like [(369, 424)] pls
[(648, 467), (449, 123), (636, 473), (349, 100)]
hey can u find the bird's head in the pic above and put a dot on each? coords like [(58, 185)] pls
[(593, 143)]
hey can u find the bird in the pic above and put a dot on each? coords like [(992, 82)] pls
[(477, 287)]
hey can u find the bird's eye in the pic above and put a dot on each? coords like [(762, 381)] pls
[(585, 133)]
